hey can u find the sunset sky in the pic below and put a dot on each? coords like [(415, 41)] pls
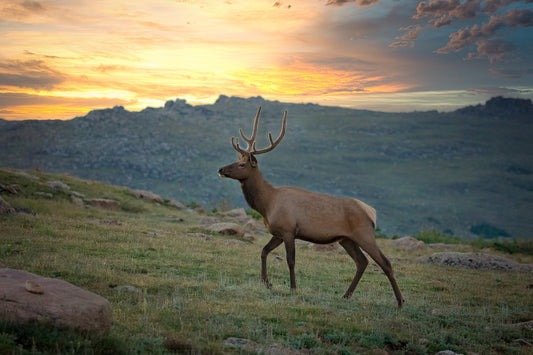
[(62, 58)]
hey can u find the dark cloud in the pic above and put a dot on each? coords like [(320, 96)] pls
[(34, 74), (412, 34), (495, 50), (402, 44), (443, 12), (510, 19)]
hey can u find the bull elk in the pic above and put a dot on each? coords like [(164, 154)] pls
[(291, 213)]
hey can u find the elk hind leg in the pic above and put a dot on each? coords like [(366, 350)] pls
[(360, 260), (371, 247)]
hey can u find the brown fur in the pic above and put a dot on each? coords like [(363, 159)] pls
[(291, 213)]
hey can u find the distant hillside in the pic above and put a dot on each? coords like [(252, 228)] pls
[(467, 172)]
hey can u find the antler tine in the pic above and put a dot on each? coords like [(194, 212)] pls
[(251, 141), (273, 143), (236, 146)]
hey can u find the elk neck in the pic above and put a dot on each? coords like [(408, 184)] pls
[(257, 192)]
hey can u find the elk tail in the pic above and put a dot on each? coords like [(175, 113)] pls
[(369, 210)]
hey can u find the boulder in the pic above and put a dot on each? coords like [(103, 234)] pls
[(27, 298), (12, 189)]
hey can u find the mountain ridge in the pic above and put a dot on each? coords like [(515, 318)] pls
[(450, 171)]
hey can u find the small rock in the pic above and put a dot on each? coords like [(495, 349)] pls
[(57, 185), (238, 343), (77, 201), (25, 210), (5, 208), (226, 228), (12, 189)]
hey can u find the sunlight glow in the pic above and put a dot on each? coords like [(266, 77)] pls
[(61, 59)]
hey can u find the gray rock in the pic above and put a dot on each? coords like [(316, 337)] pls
[(477, 261), (57, 185), (147, 195), (5, 208), (26, 297), (238, 212), (227, 228), (177, 204)]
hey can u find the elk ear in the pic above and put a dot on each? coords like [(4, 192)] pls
[(253, 161)]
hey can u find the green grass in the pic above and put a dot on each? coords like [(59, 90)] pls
[(195, 293)]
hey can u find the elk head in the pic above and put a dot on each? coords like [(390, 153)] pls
[(247, 163)]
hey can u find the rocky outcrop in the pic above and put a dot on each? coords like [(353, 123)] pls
[(478, 261), (27, 298)]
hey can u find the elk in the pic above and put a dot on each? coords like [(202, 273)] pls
[(291, 213)]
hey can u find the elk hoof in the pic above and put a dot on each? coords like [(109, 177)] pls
[(267, 284), (347, 295)]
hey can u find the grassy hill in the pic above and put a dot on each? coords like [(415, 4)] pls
[(195, 291), (460, 172)]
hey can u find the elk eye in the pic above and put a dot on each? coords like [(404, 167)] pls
[(242, 165)]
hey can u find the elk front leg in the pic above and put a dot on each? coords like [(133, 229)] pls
[(271, 245), (291, 260)]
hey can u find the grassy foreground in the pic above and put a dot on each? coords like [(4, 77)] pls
[(196, 292)]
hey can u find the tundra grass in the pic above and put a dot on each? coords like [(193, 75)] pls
[(194, 292)]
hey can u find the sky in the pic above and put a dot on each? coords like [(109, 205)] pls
[(60, 59)]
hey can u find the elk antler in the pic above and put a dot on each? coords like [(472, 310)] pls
[(250, 149)]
